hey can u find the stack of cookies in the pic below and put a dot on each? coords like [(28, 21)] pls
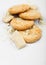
[(21, 18)]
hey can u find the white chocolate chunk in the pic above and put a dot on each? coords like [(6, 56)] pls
[(7, 13), (7, 18), (18, 39), (34, 7)]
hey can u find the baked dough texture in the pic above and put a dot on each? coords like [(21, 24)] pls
[(30, 14), (31, 35), (19, 8), (20, 24)]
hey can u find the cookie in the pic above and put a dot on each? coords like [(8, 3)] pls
[(19, 8), (30, 14), (20, 24), (31, 35)]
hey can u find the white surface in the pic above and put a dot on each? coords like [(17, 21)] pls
[(34, 54)]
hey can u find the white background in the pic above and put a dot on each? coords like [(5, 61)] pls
[(33, 54)]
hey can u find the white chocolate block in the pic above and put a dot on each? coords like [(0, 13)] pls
[(18, 39), (7, 18), (34, 7)]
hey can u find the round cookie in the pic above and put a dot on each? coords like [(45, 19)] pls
[(19, 8), (20, 24), (31, 35), (30, 14)]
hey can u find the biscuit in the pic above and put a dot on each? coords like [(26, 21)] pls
[(30, 14), (31, 35), (20, 24), (19, 8)]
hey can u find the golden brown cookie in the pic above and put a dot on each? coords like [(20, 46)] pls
[(30, 14), (19, 8), (31, 35), (20, 24)]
